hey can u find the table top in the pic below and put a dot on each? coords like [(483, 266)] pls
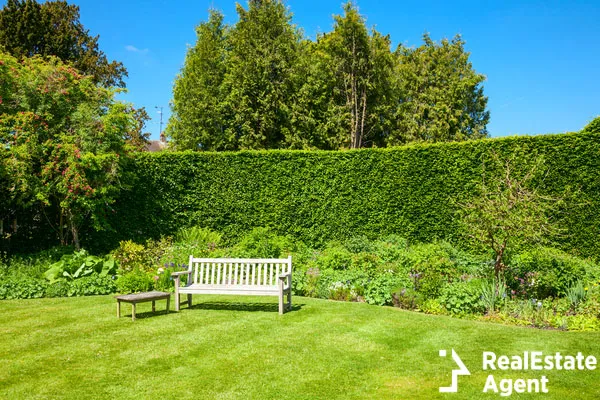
[(143, 296)]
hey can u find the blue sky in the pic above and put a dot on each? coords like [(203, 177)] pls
[(541, 58)]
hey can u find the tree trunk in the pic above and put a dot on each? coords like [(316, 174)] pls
[(499, 265), (74, 231)]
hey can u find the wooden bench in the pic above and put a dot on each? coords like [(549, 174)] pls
[(141, 298), (237, 276)]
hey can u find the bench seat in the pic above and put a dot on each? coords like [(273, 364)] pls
[(230, 289)]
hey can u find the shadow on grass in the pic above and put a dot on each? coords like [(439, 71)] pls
[(235, 306), (146, 314)]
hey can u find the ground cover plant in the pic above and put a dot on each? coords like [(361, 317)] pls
[(540, 287), (239, 347)]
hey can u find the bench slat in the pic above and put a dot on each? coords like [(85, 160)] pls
[(232, 291), (242, 260)]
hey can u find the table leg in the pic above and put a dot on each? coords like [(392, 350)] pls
[(168, 303), (133, 311), (118, 309), (153, 306)]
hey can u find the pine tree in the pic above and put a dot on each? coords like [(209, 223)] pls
[(28, 28), (441, 96), (197, 121), (261, 67), (360, 92)]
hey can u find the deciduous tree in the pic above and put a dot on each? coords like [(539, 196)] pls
[(509, 210), (61, 137)]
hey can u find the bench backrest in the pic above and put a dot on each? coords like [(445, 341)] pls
[(238, 271)]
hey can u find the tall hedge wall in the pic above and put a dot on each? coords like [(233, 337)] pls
[(320, 195)]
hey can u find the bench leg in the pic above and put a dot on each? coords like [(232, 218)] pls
[(189, 296), (133, 311), (289, 293), (118, 309), (177, 293), (168, 303), (280, 296), (153, 306)]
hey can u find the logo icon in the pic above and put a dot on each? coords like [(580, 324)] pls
[(462, 370)]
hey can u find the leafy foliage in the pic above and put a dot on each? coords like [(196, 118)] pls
[(441, 97), (80, 264), (52, 28), (462, 298), (259, 85), (593, 126), (61, 137), (197, 121), (547, 272), (414, 192), (22, 288), (509, 210), (576, 293), (263, 243), (134, 282)]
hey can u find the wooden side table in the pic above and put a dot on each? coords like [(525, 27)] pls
[(141, 298)]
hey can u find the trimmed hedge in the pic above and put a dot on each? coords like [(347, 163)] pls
[(317, 196)]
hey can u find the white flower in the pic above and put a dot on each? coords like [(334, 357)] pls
[(161, 270)]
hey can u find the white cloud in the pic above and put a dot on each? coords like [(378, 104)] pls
[(135, 49)]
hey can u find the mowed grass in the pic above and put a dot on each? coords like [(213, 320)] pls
[(240, 348)]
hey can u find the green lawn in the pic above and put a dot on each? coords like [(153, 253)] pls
[(240, 348)]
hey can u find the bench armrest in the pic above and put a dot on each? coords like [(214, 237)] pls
[(179, 273), (285, 276)]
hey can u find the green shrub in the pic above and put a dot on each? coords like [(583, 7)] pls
[(576, 293), (370, 264), (546, 272), (58, 289), (25, 266), (433, 306), (379, 290), (493, 294), (391, 248), (340, 291), (22, 288), (318, 196), (407, 298), (93, 284), (80, 264), (359, 244), (432, 267), (90, 285), (462, 298), (134, 256), (130, 256), (135, 282), (263, 243), (583, 323), (202, 238), (157, 251), (335, 256)]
